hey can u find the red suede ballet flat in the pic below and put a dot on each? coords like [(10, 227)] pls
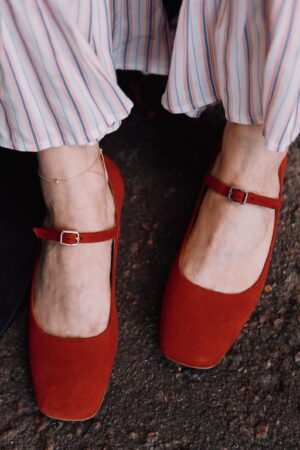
[(198, 325), (71, 375)]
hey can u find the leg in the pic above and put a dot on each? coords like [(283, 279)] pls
[(73, 295), (244, 54), (59, 94), (229, 244)]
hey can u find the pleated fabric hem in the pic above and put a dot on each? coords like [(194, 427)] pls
[(284, 145), (58, 66), (68, 139), (195, 113), (164, 70)]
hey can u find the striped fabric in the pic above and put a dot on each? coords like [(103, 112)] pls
[(58, 61), (245, 54)]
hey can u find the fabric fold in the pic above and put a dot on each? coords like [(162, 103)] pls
[(58, 63)]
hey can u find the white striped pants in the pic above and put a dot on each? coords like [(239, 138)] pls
[(58, 61)]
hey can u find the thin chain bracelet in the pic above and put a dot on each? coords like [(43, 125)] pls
[(58, 180)]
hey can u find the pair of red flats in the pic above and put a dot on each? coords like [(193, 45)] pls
[(198, 326)]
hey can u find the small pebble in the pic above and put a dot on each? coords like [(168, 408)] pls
[(96, 425), (262, 430), (133, 435), (49, 444), (277, 322), (134, 247), (297, 358), (150, 240), (268, 288), (152, 437), (78, 430)]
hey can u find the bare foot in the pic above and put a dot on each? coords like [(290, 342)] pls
[(72, 297), (229, 243)]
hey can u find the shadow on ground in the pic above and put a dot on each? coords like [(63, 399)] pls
[(250, 401)]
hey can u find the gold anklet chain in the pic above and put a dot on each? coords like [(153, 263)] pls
[(58, 180)]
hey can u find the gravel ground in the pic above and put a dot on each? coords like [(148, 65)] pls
[(250, 401)]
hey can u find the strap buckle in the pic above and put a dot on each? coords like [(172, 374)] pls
[(231, 191), (75, 233)]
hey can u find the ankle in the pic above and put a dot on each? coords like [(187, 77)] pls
[(75, 191), (245, 161), (253, 179), (67, 160), (88, 222), (74, 194), (244, 147), (83, 205)]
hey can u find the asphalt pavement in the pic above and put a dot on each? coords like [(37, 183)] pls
[(251, 400)]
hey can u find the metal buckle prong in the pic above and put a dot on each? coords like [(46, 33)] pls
[(234, 188), (77, 237)]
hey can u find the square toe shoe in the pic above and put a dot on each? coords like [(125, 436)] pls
[(198, 326), (71, 375)]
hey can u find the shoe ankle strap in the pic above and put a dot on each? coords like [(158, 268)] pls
[(239, 195), (73, 237)]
